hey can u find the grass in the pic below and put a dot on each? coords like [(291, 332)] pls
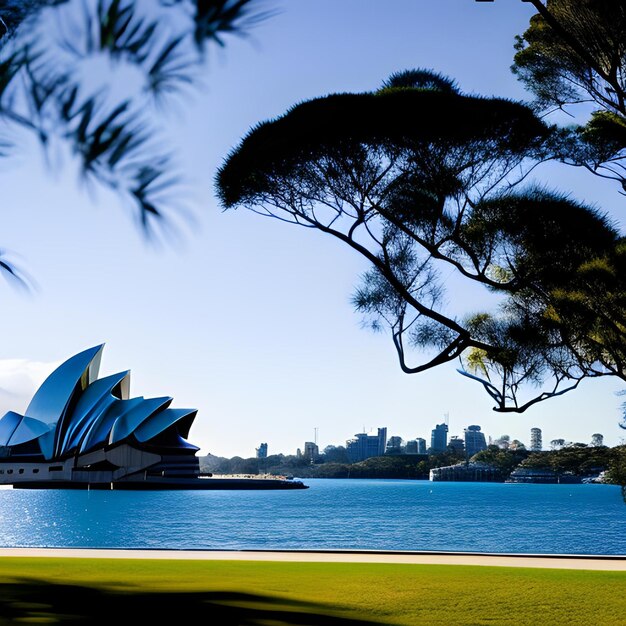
[(54, 590)]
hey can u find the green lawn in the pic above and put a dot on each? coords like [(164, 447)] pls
[(54, 590)]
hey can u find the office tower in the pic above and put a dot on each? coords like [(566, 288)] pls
[(474, 441), (536, 443), (364, 446), (439, 438)]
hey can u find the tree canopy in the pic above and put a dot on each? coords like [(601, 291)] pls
[(574, 53), (418, 177)]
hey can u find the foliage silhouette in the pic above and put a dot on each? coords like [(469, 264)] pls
[(92, 78), (574, 53), (419, 178)]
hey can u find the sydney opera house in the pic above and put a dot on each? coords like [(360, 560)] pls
[(81, 431)]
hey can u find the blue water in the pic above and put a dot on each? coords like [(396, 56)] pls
[(348, 514)]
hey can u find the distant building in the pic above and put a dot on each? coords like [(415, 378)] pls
[(536, 442), (311, 451), (474, 441), (364, 446), (456, 444), (439, 438), (597, 440), (411, 447), (261, 451), (541, 475), (415, 446), (394, 445), (467, 472)]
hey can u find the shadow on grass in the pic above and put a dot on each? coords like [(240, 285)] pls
[(44, 602)]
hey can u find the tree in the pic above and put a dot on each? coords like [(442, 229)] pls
[(505, 460), (417, 176), (60, 68), (503, 442), (574, 52), (335, 454), (617, 468)]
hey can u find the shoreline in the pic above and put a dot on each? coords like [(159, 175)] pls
[(557, 561)]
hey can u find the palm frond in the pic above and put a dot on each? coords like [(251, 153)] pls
[(14, 274), (215, 18), (153, 184), (9, 67), (121, 32), (170, 68)]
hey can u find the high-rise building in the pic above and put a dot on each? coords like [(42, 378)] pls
[(364, 446), (261, 451), (536, 443), (415, 446), (439, 438), (597, 440), (311, 451), (456, 445), (411, 447), (474, 441)]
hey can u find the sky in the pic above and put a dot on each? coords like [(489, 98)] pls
[(245, 318)]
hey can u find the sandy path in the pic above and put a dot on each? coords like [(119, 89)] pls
[(616, 563)]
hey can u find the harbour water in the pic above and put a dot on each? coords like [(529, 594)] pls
[(332, 514)]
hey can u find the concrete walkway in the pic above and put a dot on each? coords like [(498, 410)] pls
[(612, 563)]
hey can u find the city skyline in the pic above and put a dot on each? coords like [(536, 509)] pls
[(529, 442), (246, 319)]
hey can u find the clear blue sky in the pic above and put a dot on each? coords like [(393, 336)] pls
[(247, 319)]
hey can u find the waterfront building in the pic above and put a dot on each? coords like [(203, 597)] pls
[(421, 445), (261, 451), (439, 438), (536, 443), (81, 431), (542, 476), (311, 451), (364, 446), (456, 445), (394, 445), (474, 441), (466, 472), (597, 440)]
